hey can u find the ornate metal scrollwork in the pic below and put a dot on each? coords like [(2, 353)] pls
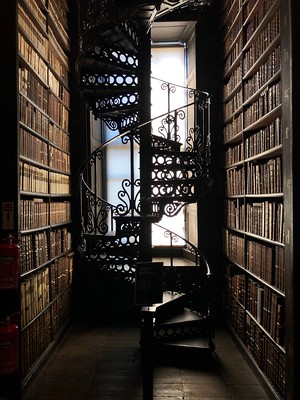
[(118, 58), (121, 102), (129, 204), (169, 127), (107, 81), (98, 211)]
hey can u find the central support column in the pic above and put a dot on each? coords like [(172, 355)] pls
[(145, 145)]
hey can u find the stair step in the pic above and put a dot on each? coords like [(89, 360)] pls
[(108, 61), (196, 343), (186, 316), (160, 143), (114, 35), (185, 324), (171, 304)]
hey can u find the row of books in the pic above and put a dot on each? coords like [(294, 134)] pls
[(36, 120), (59, 183), (39, 333), (265, 219), (37, 13), (46, 265), (32, 88), (264, 39), (269, 308), (234, 247), (60, 242), (268, 100), (33, 179), (57, 102), (58, 112), (59, 17), (33, 58), (229, 12), (269, 358), (235, 181), (234, 154), (37, 213), (59, 160), (265, 305), (60, 212), (37, 248), (61, 309), (234, 127), (34, 251), (234, 211), (34, 213), (264, 177), (237, 287), (31, 146), (258, 46), (33, 117), (265, 73), (35, 339), (234, 31), (60, 276), (36, 37), (257, 17), (261, 259), (234, 54), (58, 89), (35, 295), (265, 139), (38, 180), (235, 102), (58, 60), (234, 80), (266, 262), (59, 137)]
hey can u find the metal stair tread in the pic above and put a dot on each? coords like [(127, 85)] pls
[(182, 317), (200, 342), (169, 296)]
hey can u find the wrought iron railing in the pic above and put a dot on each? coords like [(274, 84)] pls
[(98, 216), (195, 255)]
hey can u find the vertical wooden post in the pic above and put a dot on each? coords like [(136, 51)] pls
[(147, 352)]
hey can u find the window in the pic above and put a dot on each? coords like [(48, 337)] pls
[(168, 64)]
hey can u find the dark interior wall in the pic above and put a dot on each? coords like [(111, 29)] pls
[(209, 72)]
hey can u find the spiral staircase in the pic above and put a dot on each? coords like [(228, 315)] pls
[(174, 171)]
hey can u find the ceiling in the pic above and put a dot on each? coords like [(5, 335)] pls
[(171, 31)]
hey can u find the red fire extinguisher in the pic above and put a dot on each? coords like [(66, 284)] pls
[(9, 264), (9, 346)]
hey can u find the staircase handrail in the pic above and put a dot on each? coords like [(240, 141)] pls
[(197, 101), (127, 132), (195, 251), (189, 89), (141, 125)]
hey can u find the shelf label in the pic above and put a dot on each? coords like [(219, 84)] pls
[(148, 283)]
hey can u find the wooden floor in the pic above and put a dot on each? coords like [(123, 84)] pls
[(101, 363)]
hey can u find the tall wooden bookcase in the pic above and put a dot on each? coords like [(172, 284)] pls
[(36, 179), (259, 160)]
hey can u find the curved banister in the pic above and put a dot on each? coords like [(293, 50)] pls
[(143, 124), (194, 250), (97, 201)]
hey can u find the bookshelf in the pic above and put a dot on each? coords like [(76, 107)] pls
[(254, 203), (35, 39)]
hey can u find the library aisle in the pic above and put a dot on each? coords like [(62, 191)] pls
[(104, 363)]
